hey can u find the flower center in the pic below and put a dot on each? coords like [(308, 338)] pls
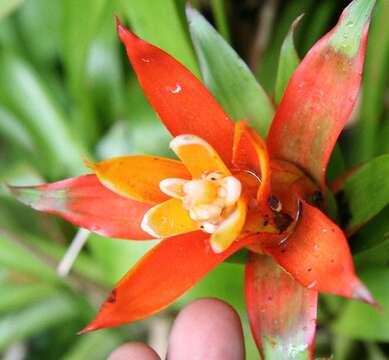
[(209, 199)]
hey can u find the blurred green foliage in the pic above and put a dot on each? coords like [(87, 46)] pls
[(66, 91)]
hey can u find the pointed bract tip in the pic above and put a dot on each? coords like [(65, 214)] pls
[(118, 23), (12, 190), (27, 195), (89, 328), (363, 294), (296, 22)]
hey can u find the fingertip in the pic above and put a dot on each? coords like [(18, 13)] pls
[(207, 329), (133, 351)]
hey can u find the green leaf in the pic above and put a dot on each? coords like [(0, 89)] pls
[(17, 257), (361, 321), (366, 191), (373, 234), (364, 144), (14, 131), (267, 66), (55, 310), (96, 346), (288, 62), (14, 297), (25, 93), (336, 165), (162, 23), (228, 77), (220, 14), (8, 6), (82, 21), (224, 282), (85, 265), (116, 257), (317, 21)]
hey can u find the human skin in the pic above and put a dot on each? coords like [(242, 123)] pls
[(205, 329)]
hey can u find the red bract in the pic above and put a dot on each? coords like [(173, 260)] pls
[(229, 190)]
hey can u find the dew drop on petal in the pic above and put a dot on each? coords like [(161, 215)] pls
[(175, 90)]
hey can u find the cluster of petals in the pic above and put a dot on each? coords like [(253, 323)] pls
[(228, 190)]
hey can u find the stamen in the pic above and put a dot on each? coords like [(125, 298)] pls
[(209, 200)]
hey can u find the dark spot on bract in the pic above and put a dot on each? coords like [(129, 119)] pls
[(274, 203), (282, 221), (265, 223), (309, 269), (283, 251), (111, 297)]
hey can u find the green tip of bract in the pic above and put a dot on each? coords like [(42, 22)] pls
[(25, 194), (347, 36)]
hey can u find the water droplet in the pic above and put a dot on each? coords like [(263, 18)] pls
[(350, 24), (312, 284), (145, 60), (324, 230), (316, 247), (177, 89)]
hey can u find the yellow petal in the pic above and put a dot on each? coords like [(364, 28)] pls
[(198, 156), (173, 187), (230, 228), (168, 219), (138, 177)]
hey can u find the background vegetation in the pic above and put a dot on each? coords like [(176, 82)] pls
[(67, 90)]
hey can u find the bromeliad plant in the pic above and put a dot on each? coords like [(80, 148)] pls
[(230, 190)]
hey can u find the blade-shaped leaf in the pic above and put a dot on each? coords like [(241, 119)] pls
[(365, 192), (287, 63), (373, 234), (282, 312), (13, 297), (364, 137), (26, 94), (16, 257), (8, 6), (321, 94), (228, 77), (55, 310)]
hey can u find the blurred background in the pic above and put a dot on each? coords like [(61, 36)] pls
[(67, 90)]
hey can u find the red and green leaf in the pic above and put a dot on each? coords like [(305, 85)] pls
[(183, 103), (160, 277), (321, 94), (281, 311), (85, 202)]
